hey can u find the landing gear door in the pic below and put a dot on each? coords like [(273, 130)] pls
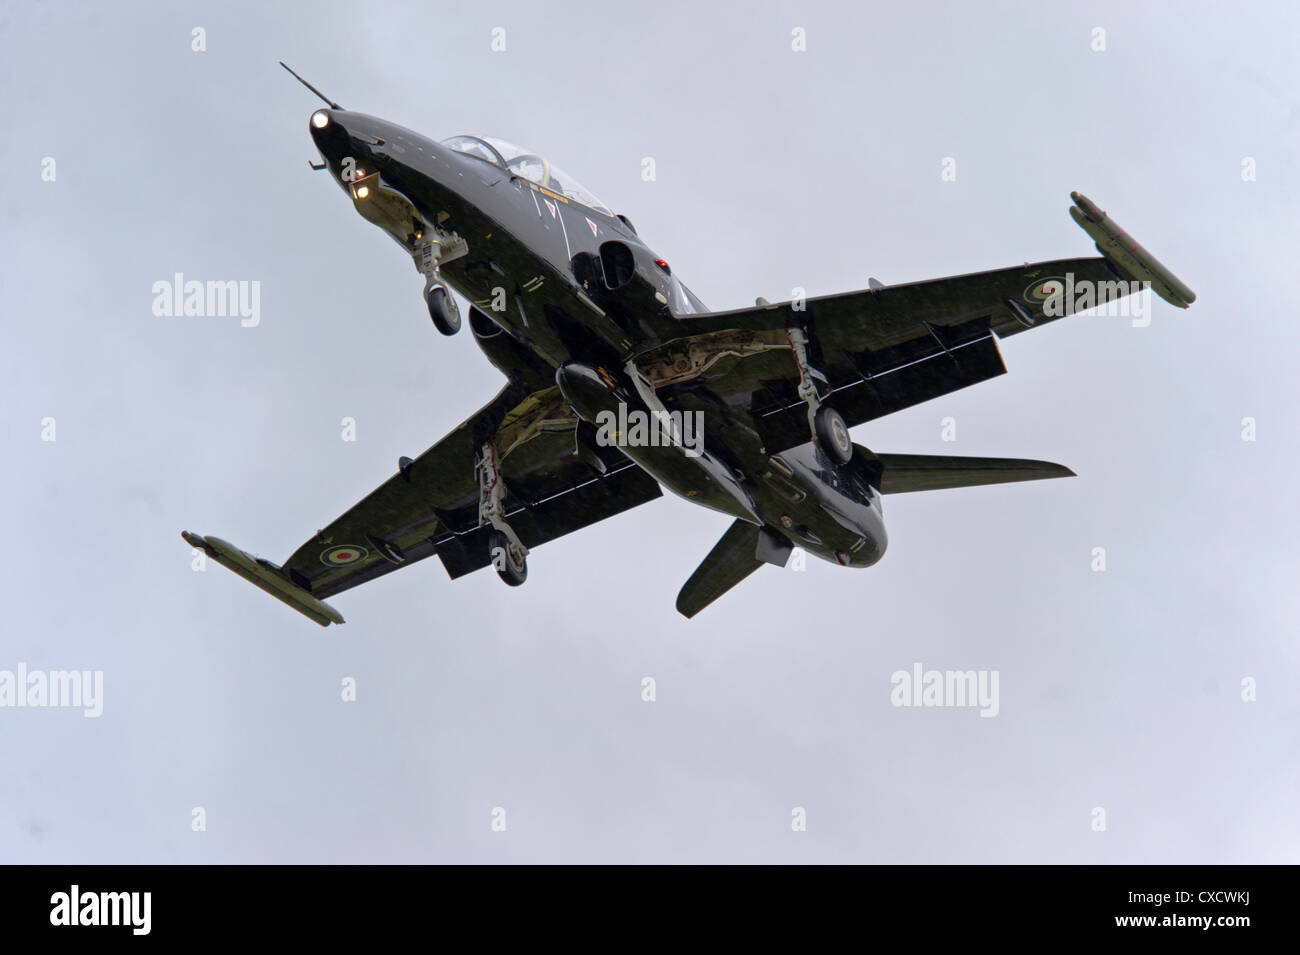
[(388, 209)]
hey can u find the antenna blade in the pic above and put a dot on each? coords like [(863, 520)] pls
[(329, 102)]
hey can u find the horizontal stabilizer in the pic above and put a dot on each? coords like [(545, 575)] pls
[(266, 576), (732, 559), (900, 473)]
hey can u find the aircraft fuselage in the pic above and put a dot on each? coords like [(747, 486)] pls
[(555, 274)]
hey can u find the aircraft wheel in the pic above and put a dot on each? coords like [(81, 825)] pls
[(511, 566), (443, 310), (833, 434)]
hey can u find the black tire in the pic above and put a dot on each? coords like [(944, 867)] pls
[(443, 311), (833, 435), (510, 567)]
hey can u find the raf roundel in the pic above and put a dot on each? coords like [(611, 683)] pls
[(1040, 292), (339, 556)]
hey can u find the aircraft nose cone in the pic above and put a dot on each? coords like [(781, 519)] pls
[(322, 118), (328, 132)]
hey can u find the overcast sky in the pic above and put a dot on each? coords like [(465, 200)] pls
[(1120, 690)]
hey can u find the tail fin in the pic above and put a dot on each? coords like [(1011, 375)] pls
[(732, 559), (899, 473)]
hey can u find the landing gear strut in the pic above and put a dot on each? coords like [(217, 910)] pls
[(442, 305), (507, 552), (826, 425)]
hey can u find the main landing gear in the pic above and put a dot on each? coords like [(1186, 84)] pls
[(507, 552), (826, 425), (833, 434), (510, 561)]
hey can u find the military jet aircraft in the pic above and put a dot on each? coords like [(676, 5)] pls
[(610, 359)]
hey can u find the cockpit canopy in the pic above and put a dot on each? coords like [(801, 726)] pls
[(529, 165), (525, 163)]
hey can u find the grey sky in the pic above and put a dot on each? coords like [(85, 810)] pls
[(775, 170)]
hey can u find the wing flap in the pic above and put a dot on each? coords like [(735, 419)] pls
[(890, 381), (595, 500)]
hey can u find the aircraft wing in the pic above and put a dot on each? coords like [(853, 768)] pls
[(881, 350), (431, 505), (886, 348)]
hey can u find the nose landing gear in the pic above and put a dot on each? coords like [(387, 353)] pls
[(442, 309), (429, 254)]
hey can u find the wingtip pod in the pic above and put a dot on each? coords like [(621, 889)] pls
[(1123, 251), (265, 577)]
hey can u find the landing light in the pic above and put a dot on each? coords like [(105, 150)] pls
[(320, 119), (363, 191)]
